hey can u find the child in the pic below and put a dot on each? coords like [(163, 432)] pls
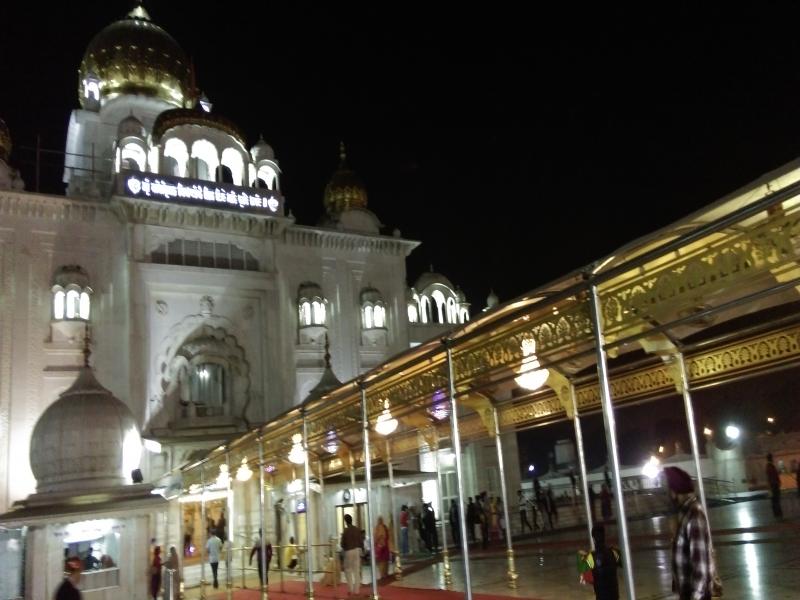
[(604, 562)]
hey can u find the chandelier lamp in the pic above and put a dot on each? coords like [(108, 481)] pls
[(297, 454), (531, 377), (385, 424), (244, 472)]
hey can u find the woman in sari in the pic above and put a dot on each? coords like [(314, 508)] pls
[(381, 542)]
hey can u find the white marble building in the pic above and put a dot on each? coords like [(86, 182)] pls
[(208, 305)]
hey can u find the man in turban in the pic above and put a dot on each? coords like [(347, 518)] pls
[(692, 564)]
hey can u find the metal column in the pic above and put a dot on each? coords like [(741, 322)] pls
[(512, 571), (587, 502), (456, 443), (262, 520), (204, 519), (687, 404), (368, 481), (309, 527), (611, 438), (229, 541), (398, 568), (448, 573)]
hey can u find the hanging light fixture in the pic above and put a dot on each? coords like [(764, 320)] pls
[(331, 444), (224, 477), (243, 473), (297, 454), (531, 377), (440, 407), (385, 424)]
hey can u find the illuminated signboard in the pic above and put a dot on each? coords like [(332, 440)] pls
[(151, 186)]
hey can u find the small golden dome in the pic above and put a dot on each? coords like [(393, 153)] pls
[(136, 56), (345, 190), (5, 141)]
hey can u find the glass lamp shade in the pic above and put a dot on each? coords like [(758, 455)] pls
[(385, 424), (223, 478), (331, 444), (297, 454), (531, 377), (244, 472)]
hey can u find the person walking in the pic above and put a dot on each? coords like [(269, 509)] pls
[(692, 563), (351, 546), (453, 518), (222, 527), (605, 562), (213, 551), (605, 503), (68, 590), (263, 574), (522, 501), (174, 571), (155, 573), (472, 516), (483, 516), (552, 506), (774, 481), (404, 517), (381, 547)]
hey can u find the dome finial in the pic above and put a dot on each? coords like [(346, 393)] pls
[(342, 153), (138, 11)]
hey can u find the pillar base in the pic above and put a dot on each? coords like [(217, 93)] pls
[(398, 568), (448, 574), (512, 571)]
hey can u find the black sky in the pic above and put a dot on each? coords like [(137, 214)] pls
[(516, 145)]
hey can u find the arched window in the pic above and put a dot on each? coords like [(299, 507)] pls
[(318, 312), (58, 304), (71, 294), (379, 317), (207, 381), (439, 312), (207, 159), (224, 174), (464, 314), (269, 176), (169, 166), (305, 314), (175, 149), (373, 313), (312, 305), (368, 317), (413, 312), (133, 157), (452, 312), (73, 304), (233, 161), (425, 309)]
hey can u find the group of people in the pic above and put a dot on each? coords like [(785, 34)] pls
[(485, 513), (542, 504), (422, 523)]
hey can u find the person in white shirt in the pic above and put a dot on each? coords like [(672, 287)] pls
[(213, 549)]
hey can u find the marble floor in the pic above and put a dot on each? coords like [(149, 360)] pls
[(757, 559)]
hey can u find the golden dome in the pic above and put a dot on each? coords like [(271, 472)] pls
[(5, 141), (345, 190), (136, 56)]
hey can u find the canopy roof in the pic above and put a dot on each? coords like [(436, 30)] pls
[(720, 286)]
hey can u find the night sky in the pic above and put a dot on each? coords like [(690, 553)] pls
[(517, 144)]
